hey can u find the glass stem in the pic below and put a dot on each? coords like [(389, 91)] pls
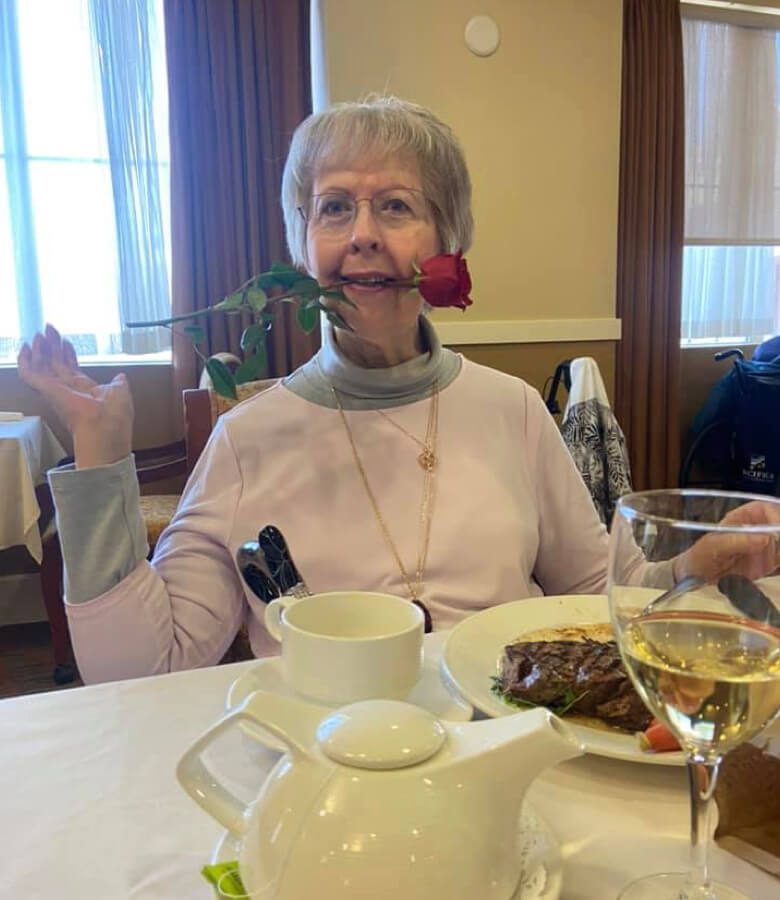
[(702, 778)]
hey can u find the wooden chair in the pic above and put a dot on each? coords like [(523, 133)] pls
[(160, 464), (202, 408), (51, 588)]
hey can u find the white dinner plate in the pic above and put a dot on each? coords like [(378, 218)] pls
[(473, 652), (542, 865), (430, 693)]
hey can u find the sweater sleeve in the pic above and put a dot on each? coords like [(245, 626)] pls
[(99, 522), (573, 542), (182, 610)]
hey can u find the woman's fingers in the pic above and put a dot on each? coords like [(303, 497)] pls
[(716, 555), (757, 512), (29, 364), (40, 353), (56, 350), (53, 341), (99, 416), (69, 358), (48, 358)]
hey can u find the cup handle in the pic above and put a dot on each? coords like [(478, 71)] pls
[(273, 615)]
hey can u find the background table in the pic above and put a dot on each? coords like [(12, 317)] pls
[(27, 449), (91, 809)]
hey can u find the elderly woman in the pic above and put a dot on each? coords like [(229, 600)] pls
[(389, 463)]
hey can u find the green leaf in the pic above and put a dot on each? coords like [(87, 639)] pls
[(568, 700), (222, 378), (252, 368), (283, 275), (257, 298), (308, 317), (196, 333), (265, 281), (232, 301), (497, 688), (306, 288), (252, 337), (336, 320)]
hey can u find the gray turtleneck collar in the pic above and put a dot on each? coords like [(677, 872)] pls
[(361, 388)]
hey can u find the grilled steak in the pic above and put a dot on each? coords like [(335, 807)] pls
[(553, 673)]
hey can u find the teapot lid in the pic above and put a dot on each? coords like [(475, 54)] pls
[(380, 734)]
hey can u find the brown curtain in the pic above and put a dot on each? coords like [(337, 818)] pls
[(239, 83), (650, 239)]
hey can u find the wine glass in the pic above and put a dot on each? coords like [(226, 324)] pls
[(689, 577)]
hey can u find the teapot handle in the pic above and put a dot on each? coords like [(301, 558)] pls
[(292, 720)]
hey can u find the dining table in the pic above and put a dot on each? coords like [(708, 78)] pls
[(28, 448), (90, 807)]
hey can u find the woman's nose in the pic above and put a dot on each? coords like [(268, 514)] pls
[(366, 233)]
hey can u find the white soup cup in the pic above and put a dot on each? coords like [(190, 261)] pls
[(345, 646)]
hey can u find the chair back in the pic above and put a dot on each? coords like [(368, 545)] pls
[(202, 408)]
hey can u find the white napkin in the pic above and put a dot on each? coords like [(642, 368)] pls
[(11, 416)]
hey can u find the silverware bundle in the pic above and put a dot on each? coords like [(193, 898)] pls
[(268, 568)]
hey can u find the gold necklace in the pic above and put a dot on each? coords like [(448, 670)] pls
[(414, 588), (426, 459)]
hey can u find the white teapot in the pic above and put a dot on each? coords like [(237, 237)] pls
[(379, 799)]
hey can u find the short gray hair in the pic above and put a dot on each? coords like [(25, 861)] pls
[(385, 127)]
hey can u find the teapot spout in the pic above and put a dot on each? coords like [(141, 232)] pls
[(519, 747), (499, 758)]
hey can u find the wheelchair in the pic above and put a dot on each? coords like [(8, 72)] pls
[(736, 444)]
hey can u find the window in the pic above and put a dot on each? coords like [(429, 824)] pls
[(731, 259), (84, 174)]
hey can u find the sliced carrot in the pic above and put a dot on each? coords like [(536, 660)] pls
[(658, 739)]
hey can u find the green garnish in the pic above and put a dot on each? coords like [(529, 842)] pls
[(225, 879), (568, 701)]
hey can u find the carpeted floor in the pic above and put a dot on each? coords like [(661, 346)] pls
[(26, 662)]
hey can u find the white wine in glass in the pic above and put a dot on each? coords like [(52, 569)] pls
[(691, 580)]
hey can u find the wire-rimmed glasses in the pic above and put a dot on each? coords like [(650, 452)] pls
[(335, 212)]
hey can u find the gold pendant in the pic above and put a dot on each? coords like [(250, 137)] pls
[(427, 459)]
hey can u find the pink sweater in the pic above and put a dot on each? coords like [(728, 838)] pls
[(512, 518)]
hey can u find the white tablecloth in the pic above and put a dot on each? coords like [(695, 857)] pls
[(27, 449), (90, 808)]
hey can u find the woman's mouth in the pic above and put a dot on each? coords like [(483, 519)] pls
[(367, 283)]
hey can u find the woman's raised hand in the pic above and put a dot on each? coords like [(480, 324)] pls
[(99, 416)]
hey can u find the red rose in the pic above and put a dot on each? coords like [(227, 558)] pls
[(444, 280)]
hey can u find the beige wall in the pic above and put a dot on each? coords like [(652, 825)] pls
[(539, 122), (536, 363)]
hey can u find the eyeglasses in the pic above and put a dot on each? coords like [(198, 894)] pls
[(396, 208)]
